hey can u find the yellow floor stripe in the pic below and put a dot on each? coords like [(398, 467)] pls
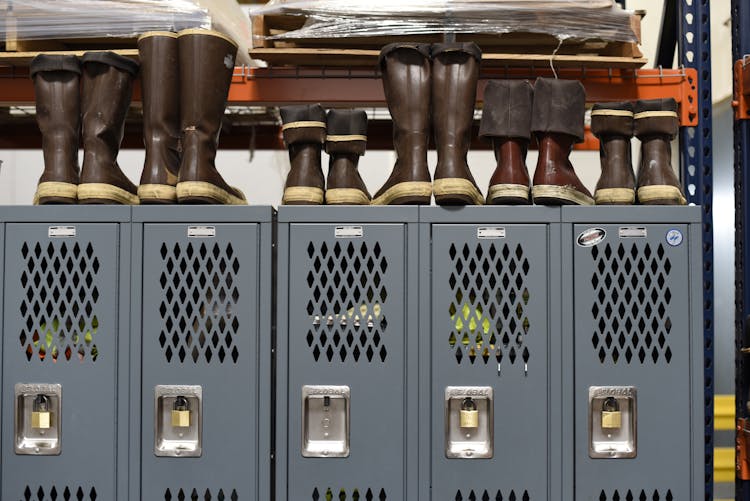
[(724, 412), (724, 464)]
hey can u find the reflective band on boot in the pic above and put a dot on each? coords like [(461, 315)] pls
[(457, 186), (607, 196), (157, 192), (507, 191), (303, 194), (417, 189), (561, 193), (106, 192), (56, 189), (346, 196), (660, 193), (201, 189)]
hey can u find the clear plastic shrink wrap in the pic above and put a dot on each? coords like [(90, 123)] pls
[(564, 19), (79, 19)]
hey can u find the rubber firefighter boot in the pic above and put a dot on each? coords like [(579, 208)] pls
[(58, 114), (406, 82), (455, 72), (304, 130), (557, 123), (160, 89), (206, 67), (106, 92), (506, 121), (612, 123), (345, 143), (656, 125)]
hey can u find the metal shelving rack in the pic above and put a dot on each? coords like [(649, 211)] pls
[(740, 48), (689, 30)]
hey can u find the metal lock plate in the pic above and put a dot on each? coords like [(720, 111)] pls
[(178, 433), (469, 433), (38, 419), (612, 422), (325, 421)]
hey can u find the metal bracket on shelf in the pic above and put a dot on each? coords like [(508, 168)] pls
[(743, 448), (741, 101)]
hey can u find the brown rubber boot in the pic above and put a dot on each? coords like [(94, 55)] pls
[(557, 122), (612, 123), (406, 82), (107, 88), (304, 129), (206, 67), (345, 143), (656, 125), (160, 89), (58, 114), (506, 121), (455, 72)]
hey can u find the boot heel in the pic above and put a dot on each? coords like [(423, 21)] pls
[(56, 193), (200, 192), (157, 194), (407, 193), (456, 191)]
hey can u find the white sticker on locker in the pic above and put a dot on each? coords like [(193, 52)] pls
[(201, 231), (348, 232), (487, 232), (61, 232)]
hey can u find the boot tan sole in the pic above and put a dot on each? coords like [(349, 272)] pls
[(420, 191), (615, 196), (306, 195), (458, 188), (103, 193), (502, 192), (156, 193), (200, 190), (543, 194), (346, 196), (56, 190), (661, 195)]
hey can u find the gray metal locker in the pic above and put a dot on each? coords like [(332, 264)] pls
[(347, 344), (65, 353), (633, 305), (490, 317), (201, 400)]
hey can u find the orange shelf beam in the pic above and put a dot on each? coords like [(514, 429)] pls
[(362, 87), (741, 101)]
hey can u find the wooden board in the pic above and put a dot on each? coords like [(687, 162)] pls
[(24, 58), (369, 57)]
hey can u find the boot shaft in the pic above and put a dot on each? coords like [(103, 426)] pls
[(206, 60), (406, 82), (160, 90), (455, 72), (106, 92), (58, 113)]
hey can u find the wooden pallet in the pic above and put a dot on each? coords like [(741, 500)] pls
[(510, 49)]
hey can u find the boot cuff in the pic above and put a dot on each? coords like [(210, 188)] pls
[(507, 109), (612, 119), (303, 124), (559, 107), (111, 59), (423, 49), (656, 116), (347, 131), (466, 47), (44, 62)]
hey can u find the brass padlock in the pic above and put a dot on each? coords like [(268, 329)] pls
[(611, 415), (40, 414), (469, 415), (181, 413)]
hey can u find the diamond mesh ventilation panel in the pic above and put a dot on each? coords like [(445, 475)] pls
[(490, 296), (632, 303), (347, 302), (60, 297), (199, 305)]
